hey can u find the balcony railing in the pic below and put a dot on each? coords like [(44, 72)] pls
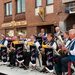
[(67, 1)]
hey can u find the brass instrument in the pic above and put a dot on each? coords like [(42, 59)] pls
[(48, 46), (31, 43), (59, 41), (60, 51), (40, 34), (19, 42), (8, 50), (25, 45), (54, 51), (14, 42)]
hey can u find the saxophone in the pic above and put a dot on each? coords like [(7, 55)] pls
[(60, 51)]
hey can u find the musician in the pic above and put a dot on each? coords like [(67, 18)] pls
[(3, 42), (58, 36), (66, 43), (7, 36), (43, 34), (26, 54), (71, 50), (24, 38), (50, 42), (33, 40), (13, 52), (74, 26)]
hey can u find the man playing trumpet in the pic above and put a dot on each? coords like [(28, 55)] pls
[(43, 34)]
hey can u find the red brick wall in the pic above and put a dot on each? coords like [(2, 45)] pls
[(30, 14), (31, 31), (62, 15)]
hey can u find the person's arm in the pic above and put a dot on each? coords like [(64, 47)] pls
[(37, 44), (12, 47), (70, 51), (67, 43)]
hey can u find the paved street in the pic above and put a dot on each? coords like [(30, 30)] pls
[(17, 71)]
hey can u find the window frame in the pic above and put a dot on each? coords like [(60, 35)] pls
[(17, 7), (36, 3), (50, 3), (8, 8)]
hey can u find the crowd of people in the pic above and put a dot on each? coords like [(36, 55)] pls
[(63, 43)]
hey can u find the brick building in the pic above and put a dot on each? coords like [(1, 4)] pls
[(22, 16), (67, 15)]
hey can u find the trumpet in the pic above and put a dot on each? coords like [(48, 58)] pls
[(40, 34)]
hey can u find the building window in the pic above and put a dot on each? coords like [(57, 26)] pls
[(49, 2), (38, 3), (20, 6), (8, 7)]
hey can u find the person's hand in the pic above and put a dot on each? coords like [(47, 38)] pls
[(28, 48), (12, 48), (43, 49), (64, 48)]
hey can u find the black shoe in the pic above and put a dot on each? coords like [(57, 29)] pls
[(43, 70), (25, 68), (21, 67), (59, 73), (9, 65), (46, 71), (71, 72)]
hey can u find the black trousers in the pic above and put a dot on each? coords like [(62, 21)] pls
[(0, 54), (63, 61), (12, 57), (26, 58), (43, 59)]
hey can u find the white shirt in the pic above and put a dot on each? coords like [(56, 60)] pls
[(58, 32), (6, 43), (54, 45), (37, 45), (67, 43), (45, 35), (73, 51)]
